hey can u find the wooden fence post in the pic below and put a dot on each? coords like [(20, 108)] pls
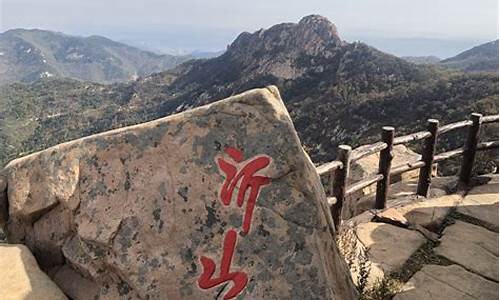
[(341, 177), (425, 175), (470, 148), (384, 167), (331, 183)]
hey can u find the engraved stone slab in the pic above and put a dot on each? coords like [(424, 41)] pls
[(220, 201)]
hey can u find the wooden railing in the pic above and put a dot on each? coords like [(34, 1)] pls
[(338, 171)]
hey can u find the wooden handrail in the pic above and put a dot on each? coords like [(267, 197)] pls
[(453, 126), (384, 167), (340, 178), (329, 167), (338, 170), (470, 148), (449, 154), (425, 175), (487, 145), (411, 137), (407, 167), (489, 119), (366, 150), (363, 183)]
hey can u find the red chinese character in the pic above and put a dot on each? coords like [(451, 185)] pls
[(248, 180), (239, 279), (244, 174)]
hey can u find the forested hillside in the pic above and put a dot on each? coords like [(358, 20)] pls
[(336, 92)]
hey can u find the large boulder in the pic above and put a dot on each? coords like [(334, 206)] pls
[(366, 167), (369, 165), (4, 207), (217, 201), (22, 279)]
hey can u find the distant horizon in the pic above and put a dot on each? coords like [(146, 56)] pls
[(441, 28), (401, 47)]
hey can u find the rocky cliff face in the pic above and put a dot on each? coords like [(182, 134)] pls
[(276, 51), (180, 207), (308, 54)]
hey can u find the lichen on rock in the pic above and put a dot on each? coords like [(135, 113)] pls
[(131, 212)]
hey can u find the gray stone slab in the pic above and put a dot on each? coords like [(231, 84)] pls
[(482, 203), (430, 213), (448, 282), (473, 247), (388, 246), (487, 213)]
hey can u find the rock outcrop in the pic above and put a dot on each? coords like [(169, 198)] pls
[(369, 165), (278, 48), (4, 208), (22, 279), (364, 199), (219, 200)]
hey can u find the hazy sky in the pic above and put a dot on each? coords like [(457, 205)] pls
[(212, 24)]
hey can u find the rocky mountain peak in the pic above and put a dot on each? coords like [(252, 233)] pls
[(312, 34), (321, 26), (277, 49)]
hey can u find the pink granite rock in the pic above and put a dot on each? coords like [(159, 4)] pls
[(3, 200), (149, 211)]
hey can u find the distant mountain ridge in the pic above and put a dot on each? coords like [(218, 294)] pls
[(480, 58), (422, 60), (28, 55), (336, 92)]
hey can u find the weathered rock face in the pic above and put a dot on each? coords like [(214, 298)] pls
[(362, 200), (22, 279), (164, 210), (369, 165), (3, 200), (283, 49)]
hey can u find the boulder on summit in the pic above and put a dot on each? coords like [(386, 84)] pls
[(221, 199)]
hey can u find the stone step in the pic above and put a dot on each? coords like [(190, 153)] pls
[(471, 246), (481, 202), (378, 249), (404, 193), (470, 243), (448, 282)]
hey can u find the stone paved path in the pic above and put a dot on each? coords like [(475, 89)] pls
[(447, 282), (471, 245), (443, 248)]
